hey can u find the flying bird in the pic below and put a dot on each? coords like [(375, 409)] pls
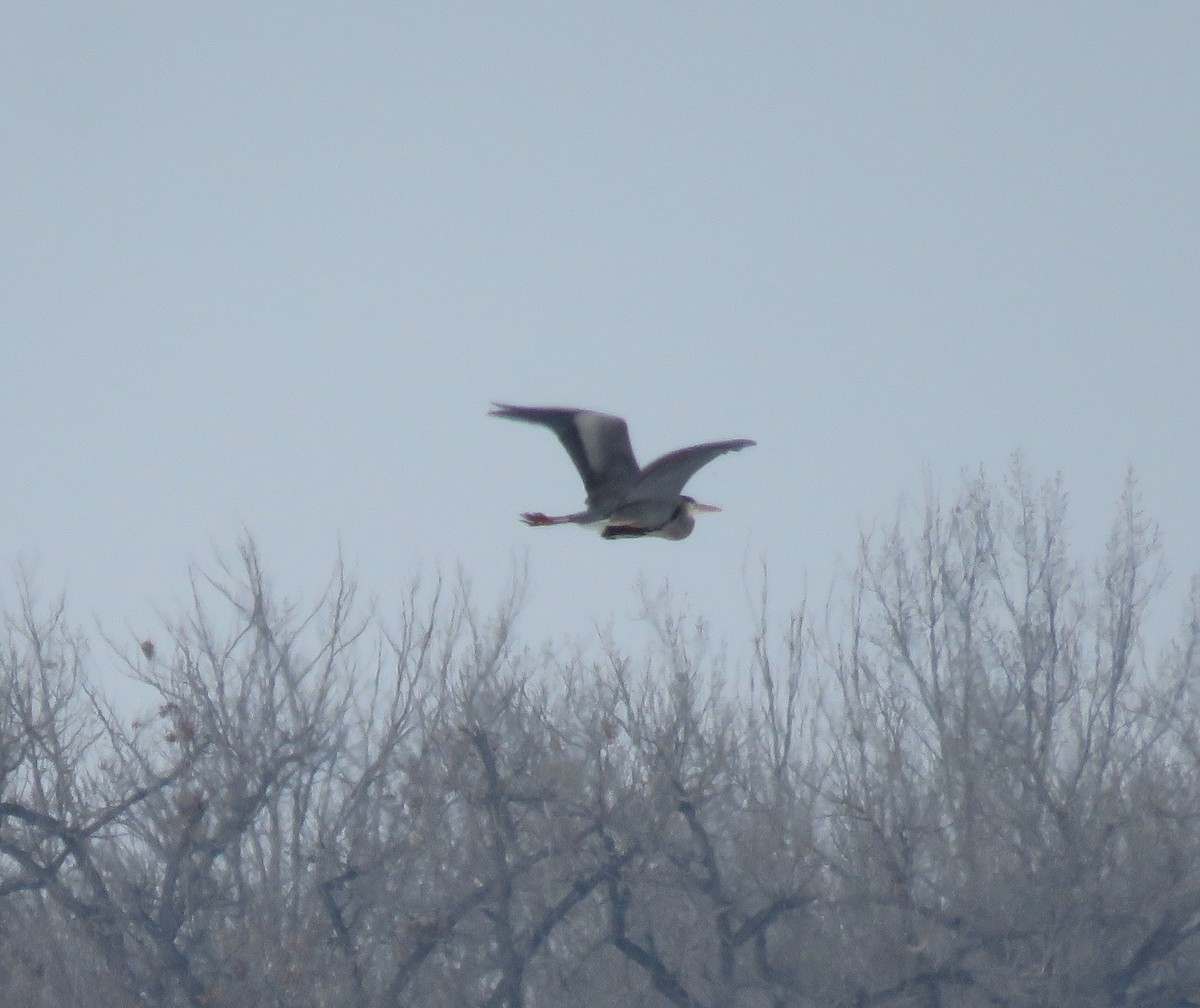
[(623, 500)]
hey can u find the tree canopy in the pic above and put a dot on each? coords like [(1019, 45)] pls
[(966, 781)]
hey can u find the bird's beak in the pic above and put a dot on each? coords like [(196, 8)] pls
[(697, 506)]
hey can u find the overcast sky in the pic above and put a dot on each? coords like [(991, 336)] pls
[(265, 266)]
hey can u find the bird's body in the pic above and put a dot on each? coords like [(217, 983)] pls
[(623, 500)]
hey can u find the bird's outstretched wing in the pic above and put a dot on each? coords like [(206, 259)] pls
[(598, 444), (664, 478)]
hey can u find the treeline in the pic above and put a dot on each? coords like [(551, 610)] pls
[(961, 783)]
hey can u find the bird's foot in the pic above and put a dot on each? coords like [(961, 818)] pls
[(535, 518)]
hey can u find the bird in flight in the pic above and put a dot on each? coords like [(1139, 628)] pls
[(623, 500)]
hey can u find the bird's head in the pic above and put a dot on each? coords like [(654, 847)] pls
[(694, 507), (680, 526)]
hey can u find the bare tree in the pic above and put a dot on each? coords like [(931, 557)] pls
[(990, 757), (67, 788), (717, 821)]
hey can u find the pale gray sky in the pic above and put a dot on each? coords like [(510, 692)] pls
[(266, 265)]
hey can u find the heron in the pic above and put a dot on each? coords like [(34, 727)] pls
[(623, 500)]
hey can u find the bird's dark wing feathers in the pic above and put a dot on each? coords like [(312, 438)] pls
[(598, 444), (665, 477)]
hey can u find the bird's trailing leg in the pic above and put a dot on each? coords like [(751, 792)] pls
[(536, 518)]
